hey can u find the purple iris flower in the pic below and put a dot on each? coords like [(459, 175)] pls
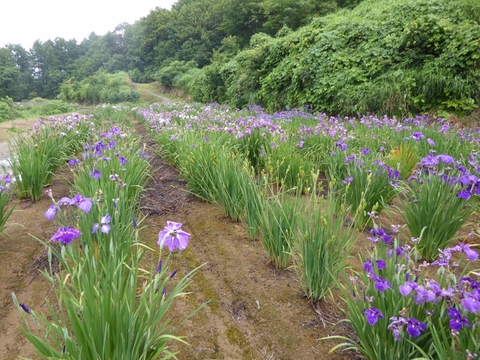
[(471, 301), (373, 315), (122, 160), (143, 154), (457, 321), (444, 128), (430, 142), (341, 145), (472, 255), (50, 213), (424, 295), (381, 284), (464, 194), (74, 162), (367, 266), (173, 236), (407, 288), (396, 326), (95, 174), (446, 159), (447, 293), (415, 327), (104, 226), (66, 201), (381, 232), (7, 178), (366, 151), (349, 158), (84, 204), (417, 136), (66, 235), (381, 264)]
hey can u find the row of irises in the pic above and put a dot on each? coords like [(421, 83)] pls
[(259, 167), (37, 156), (108, 305)]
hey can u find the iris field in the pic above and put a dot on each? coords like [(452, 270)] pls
[(303, 184)]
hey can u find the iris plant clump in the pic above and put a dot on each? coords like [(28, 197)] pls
[(439, 201), (47, 147), (371, 185), (103, 292), (399, 310)]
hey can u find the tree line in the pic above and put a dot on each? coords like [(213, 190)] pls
[(344, 56)]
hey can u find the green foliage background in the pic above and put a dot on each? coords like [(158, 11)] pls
[(391, 57), (338, 56), (100, 88)]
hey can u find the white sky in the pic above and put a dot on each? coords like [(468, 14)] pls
[(24, 21)]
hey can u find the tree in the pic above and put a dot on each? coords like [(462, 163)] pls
[(15, 78), (53, 63)]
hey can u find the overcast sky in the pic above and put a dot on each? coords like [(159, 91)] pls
[(24, 21)]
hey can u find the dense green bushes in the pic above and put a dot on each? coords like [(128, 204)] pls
[(100, 88), (395, 57)]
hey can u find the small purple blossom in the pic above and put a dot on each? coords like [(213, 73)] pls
[(50, 213), (349, 158), (446, 159), (464, 194), (104, 225), (122, 160), (95, 174), (424, 295), (66, 235), (173, 236), (143, 154), (66, 201), (457, 321), (407, 288), (84, 204), (471, 301), (74, 162), (415, 327), (341, 145), (396, 326), (417, 136), (472, 255), (373, 315), (366, 151), (381, 284)]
